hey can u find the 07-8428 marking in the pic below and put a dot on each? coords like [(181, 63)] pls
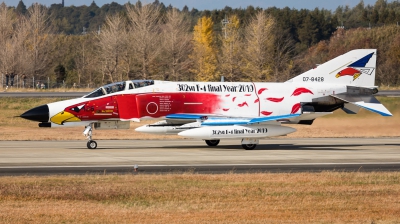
[(313, 79)]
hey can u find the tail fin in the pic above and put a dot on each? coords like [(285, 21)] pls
[(355, 68)]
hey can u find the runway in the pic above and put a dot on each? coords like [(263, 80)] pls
[(160, 156)]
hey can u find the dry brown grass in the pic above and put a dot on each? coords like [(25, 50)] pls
[(67, 89), (364, 124), (194, 198)]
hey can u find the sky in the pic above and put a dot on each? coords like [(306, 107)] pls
[(214, 4)]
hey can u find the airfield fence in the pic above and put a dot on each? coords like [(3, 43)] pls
[(23, 82)]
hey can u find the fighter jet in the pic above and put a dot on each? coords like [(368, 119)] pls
[(213, 111)]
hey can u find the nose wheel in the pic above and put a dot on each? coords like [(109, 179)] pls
[(91, 144)]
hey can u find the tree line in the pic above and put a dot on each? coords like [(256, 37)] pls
[(152, 41)]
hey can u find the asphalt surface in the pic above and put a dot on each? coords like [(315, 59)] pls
[(176, 156), (390, 93)]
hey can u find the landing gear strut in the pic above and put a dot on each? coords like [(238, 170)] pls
[(212, 142), (91, 144)]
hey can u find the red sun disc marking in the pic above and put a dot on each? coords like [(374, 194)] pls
[(152, 108)]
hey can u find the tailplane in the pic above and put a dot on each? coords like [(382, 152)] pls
[(355, 98), (355, 68)]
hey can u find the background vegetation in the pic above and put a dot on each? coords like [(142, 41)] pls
[(194, 198), (90, 45)]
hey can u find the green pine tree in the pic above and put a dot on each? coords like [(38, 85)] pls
[(21, 8)]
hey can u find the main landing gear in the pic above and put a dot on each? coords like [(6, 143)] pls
[(91, 144), (248, 144), (212, 142)]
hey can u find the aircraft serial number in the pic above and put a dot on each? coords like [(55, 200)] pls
[(313, 79)]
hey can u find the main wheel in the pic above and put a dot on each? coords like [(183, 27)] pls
[(212, 142), (91, 144), (249, 146)]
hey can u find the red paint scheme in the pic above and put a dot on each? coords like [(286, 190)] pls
[(295, 108), (348, 71), (300, 91), (98, 109), (261, 90), (243, 104), (162, 104), (266, 113), (276, 100), (151, 104), (127, 106)]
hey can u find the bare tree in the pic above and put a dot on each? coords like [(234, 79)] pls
[(230, 57), (259, 47), (35, 34), (145, 34), (8, 43), (176, 44), (85, 57), (112, 45), (282, 62)]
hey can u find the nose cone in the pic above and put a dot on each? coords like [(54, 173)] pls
[(40, 114)]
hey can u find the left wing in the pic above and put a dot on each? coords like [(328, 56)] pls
[(213, 120)]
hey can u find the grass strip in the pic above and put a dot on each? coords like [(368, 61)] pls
[(196, 198)]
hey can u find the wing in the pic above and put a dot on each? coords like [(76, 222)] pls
[(215, 120)]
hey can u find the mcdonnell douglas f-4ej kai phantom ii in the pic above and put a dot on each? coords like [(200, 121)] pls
[(212, 111)]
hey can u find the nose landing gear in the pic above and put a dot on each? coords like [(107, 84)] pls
[(91, 144)]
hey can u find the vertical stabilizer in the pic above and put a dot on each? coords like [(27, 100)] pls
[(355, 68)]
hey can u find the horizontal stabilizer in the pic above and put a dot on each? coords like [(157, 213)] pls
[(367, 102), (350, 108), (374, 107)]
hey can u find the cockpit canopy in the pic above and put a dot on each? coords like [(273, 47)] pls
[(119, 86)]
